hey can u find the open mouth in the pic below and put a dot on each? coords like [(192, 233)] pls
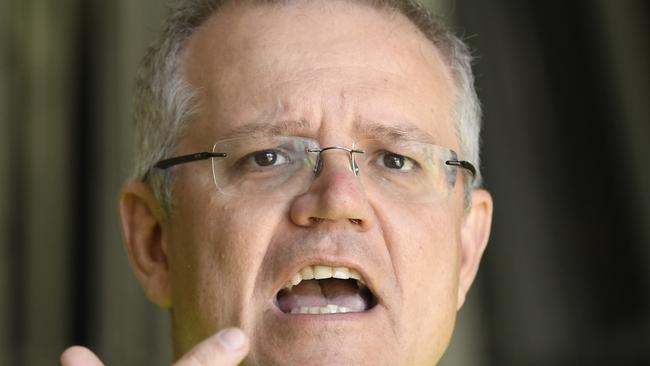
[(322, 289)]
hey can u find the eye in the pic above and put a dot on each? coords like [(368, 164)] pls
[(269, 158), (396, 161)]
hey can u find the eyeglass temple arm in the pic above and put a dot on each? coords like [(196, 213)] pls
[(168, 163), (463, 164)]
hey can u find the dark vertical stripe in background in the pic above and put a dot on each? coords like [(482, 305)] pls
[(16, 178), (83, 172)]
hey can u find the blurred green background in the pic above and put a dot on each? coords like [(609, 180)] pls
[(565, 88)]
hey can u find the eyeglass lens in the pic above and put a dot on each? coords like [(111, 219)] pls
[(281, 166)]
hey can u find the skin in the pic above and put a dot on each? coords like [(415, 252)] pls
[(217, 261)]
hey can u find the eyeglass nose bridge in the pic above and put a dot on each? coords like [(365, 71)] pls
[(319, 162)]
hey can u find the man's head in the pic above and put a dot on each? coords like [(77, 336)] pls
[(333, 73)]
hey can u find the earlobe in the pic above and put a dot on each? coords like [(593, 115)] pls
[(142, 220), (475, 232)]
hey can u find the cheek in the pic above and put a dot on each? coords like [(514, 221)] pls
[(218, 247), (423, 244)]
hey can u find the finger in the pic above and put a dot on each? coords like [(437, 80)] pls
[(79, 356), (226, 348)]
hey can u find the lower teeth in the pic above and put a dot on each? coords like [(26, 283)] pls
[(329, 309)]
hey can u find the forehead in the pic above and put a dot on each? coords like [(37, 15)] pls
[(317, 62)]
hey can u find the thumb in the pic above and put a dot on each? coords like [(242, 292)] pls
[(79, 356), (226, 348)]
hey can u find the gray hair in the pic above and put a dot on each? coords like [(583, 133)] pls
[(165, 103)]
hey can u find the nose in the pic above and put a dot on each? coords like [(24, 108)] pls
[(335, 197)]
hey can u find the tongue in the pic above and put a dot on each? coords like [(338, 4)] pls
[(321, 293)]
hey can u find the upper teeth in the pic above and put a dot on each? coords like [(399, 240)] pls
[(319, 272)]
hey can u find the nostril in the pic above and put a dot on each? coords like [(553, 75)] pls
[(317, 220)]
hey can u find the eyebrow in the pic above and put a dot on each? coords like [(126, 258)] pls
[(401, 132), (266, 128)]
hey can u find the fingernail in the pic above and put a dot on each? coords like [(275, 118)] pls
[(232, 338)]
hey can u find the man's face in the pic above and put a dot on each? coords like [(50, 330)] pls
[(330, 72)]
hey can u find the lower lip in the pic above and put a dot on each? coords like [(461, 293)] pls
[(311, 318)]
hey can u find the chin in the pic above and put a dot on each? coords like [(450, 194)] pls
[(329, 350)]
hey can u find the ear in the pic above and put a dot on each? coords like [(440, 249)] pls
[(475, 232), (142, 219)]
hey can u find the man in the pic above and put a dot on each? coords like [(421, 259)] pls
[(298, 196)]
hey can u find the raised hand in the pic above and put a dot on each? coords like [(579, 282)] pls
[(226, 348)]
